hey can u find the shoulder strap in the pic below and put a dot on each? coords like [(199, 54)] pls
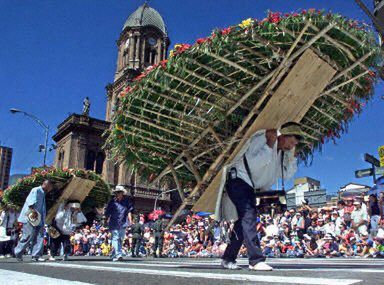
[(248, 170), (282, 171)]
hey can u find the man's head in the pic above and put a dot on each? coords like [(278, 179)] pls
[(291, 135), (357, 204), (47, 186), (119, 192)]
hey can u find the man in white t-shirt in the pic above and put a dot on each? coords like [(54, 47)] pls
[(359, 218)]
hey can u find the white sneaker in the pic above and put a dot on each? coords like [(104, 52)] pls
[(261, 266), (118, 259), (51, 258), (230, 265), (2, 256)]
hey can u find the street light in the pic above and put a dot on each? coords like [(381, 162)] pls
[(158, 195), (41, 124)]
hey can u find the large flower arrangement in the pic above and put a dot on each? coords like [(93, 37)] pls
[(16, 194), (168, 108)]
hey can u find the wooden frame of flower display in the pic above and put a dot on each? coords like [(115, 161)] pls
[(197, 101)]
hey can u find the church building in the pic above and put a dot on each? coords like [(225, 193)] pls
[(143, 42)]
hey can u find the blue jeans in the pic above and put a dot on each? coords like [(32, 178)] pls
[(118, 236), (33, 236), (244, 198)]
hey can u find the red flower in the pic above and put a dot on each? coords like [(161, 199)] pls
[(182, 48), (372, 73), (225, 31), (202, 40), (287, 15), (274, 17), (163, 63), (139, 77), (311, 11), (304, 12), (295, 15)]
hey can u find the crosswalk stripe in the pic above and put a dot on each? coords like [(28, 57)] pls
[(32, 279), (237, 277), (190, 264)]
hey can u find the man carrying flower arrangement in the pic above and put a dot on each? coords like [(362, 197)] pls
[(267, 156), (33, 227)]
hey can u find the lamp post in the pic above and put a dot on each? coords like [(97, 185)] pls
[(41, 124), (158, 195)]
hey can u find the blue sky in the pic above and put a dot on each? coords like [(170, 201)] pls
[(55, 53)]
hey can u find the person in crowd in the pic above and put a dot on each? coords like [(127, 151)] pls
[(32, 216), (68, 218), (374, 213), (118, 215), (158, 230), (137, 236), (359, 218), (8, 231)]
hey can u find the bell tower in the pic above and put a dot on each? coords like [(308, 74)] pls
[(143, 42)]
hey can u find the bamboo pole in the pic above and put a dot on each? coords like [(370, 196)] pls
[(192, 166), (177, 182), (194, 86), (148, 123)]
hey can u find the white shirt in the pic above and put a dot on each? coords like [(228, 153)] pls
[(264, 163), (64, 220)]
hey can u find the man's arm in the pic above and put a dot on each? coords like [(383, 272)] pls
[(130, 218), (289, 164), (31, 199)]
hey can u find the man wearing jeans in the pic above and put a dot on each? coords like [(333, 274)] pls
[(267, 156), (33, 235), (118, 214)]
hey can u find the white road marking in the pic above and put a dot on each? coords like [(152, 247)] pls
[(12, 278), (190, 264), (237, 277)]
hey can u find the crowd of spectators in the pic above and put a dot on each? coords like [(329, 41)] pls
[(353, 228)]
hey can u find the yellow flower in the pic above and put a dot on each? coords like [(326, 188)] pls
[(171, 53), (246, 23), (177, 46), (119, 128)]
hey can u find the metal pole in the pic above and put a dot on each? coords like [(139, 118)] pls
[(158, 196), (41, 124), (45, 145), (374, 174)]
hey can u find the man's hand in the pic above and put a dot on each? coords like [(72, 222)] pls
[(34, 215), (271, 136)]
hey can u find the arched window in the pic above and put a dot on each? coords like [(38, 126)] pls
[(90, 161), (61, 159), (99, 162)]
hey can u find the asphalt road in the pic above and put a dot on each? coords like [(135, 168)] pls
[(97, 270)]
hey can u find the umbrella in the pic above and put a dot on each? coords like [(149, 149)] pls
[(154, 215), (203, 214)]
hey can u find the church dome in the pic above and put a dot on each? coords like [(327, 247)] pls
[(145, 16)]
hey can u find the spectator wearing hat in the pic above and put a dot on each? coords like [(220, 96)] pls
[(359, 218), (118, 215)]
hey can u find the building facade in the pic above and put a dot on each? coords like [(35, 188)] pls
[(5, 166), (306, 188)]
